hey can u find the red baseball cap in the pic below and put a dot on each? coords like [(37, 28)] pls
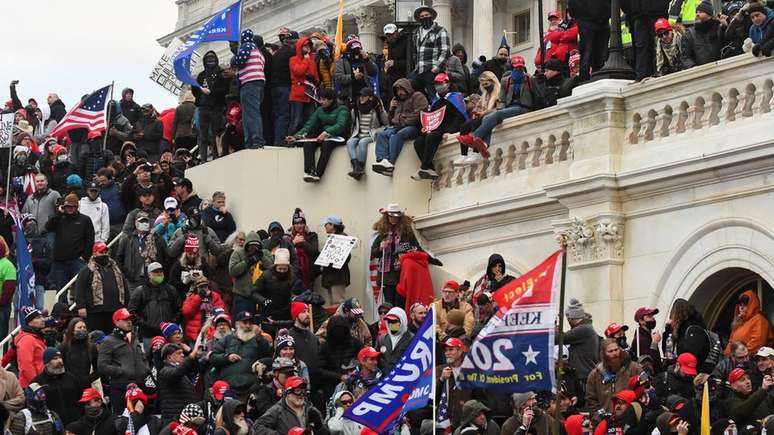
[(89, 394), (688, 363), (99, 247), (518, 61), (137, 394), (454, 342), (367, 352), (121, 314), (644, 311), (452, 284), (627, 396), (219, 388), (441, 78), (735, 375), (294, 382), (614, 328), (555, 14)]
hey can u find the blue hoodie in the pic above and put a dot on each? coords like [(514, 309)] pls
[(757, 33)]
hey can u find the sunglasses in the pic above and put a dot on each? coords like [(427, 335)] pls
[(298, 392), (661, 34), (382, 313), (346, 402)]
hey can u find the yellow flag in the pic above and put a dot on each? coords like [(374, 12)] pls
[(339, 40), (705, 415)]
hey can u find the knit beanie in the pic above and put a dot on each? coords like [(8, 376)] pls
[(455, 317), (50, 353), (574, 310), (756, 7), (283, 340), (299, 217), (706, 7), (157, 343), (296, 308), (167, 329), (193, 413)]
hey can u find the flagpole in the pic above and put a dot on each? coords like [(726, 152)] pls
[(560, 340), (543, 59), (8, 178), (107, 117)]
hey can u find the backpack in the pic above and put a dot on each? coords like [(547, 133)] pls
[(29, 425)]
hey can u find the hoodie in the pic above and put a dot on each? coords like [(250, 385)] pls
[(302, 69), (98, 212), (211, 78), (494, 260), (130, 109), (226, 415), (392, 345), (249, 60), (337, 424), (755, 329), (408, 111), (470, 410)]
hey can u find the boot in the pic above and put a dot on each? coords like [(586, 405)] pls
[(353, 173), (360, 169)]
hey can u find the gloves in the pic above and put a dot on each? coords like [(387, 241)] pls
[(266, 302), (756, 50), (766, 50)]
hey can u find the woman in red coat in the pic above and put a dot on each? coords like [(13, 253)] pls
[(302, 69), (200, 301)]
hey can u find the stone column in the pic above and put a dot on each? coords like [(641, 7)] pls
[(367, 30), (483, 28), (443, 7)]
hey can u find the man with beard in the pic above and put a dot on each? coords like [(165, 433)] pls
[(394, 343), (417, 315), (36, 414), (454, 351), (621, 415), (678, 378), (292, 410), (234, 355), (701, 43), (272, 290), (307, 344), (646, 338), (121, 358), (231, 419), (744, 406), (222, 323), (404, 112), (30, 346), (610, 376), (63, 388)]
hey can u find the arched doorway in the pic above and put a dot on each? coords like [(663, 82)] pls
[(716, 297)]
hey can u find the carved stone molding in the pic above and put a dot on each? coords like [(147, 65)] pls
[(596, 241), (366, 18)]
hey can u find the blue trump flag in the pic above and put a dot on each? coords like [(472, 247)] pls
[(25, 273), (408, 386), (514, 353), (223, 26)]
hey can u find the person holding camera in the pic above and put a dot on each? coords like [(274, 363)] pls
[(146, 176), (245, 267), (745, 406), (170, 220), (198, 306)]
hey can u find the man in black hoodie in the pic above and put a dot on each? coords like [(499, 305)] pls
[(280, 84), (495, 272), (129, 108), (148, 132), (593, 24), (211, 101)]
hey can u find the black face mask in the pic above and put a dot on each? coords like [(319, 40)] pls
[(102, 260), (211, 63), (501, 60), (426, 22), (93, 412), (651, 325), (622, 342)]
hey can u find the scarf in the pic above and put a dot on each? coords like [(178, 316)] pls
[(148, 249), (387, 265), (98, 291), (671, 53), (303, 261)]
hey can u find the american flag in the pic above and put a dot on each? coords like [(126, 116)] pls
[(442, 417), (88, 114)]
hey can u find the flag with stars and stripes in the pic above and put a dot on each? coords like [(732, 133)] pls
[(89, 113), (442, 417)]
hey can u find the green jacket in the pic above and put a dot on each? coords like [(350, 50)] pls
[(333, 121), (241, 268)]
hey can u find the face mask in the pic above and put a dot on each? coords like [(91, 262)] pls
[(442, 89), (80, 335), (93, 412), (426, 22), (156, 280), (142, 226), (650, 324), (394, 327), (517, 75), (211, 63), (102, 260), (622, 342), (21, 159)]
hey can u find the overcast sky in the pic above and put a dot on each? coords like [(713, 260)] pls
[(73, 47)]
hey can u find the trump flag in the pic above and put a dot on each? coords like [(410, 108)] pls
[(223, 26), (514, 351), (408, 386)]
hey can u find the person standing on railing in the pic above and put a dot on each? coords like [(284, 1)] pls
[(73, 240), (100, 289), (30, 346)]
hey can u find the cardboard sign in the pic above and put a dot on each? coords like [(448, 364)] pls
[(163, 73), (336, 250), (431, 120), (6, 130)]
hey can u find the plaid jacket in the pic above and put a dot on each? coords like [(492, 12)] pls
[(432, 50)]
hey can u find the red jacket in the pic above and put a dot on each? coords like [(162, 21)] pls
[(300, 69), (192, 312), (559, 44), (29, 356), (415, 284)]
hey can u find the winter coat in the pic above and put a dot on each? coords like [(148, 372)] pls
[(93, 159), (208, 241), (334, 121), (559, 44), (166, 231), (58, 110), (62, 392), (441, 322), (153, 305), (378, 120), (111, 196), (119, 130), (128, 226), (175, 389), (80, 358), (241, 268), (307, 348), (161, 184), (397, 51), (30, 346), (280, 418), (416, 284), (755, 331), (645, 8), (583, 342), (332, 276), (192, 312), (180, 273), (358, 327), (269, 286), (98, 212), (458, 71), (339, 350), (644, 341), (182, 123), (306, 252), (344, 77), (222, 223), (590, 10), (215, 82), (11, 393), (456, 396), (391, 353), (130, 109), (84, 296), (527, 98), (701, 43), (599, 394), (542, 424), (42, 205), (152, 132), (239, 375), (280, 66), (73, 236), (132, 263), (105, 424), (470, 410), (409, 110), (744, 410), (301, 69), (758, 33), (668, 383), (48, 424), (121, 361)]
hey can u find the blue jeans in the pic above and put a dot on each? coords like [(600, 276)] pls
[(299, 113), (250, 97), (357, 148), (484, 131), (389, 142), (279, 97), (62, 272)]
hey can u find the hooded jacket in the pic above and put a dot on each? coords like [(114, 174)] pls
[(494, 260), (130, 109), (242, 269), (758, 33), (183, 120), (337, 424), (302, 69), (583, 342), (358, 327), (470, 410), (755, 329), (392, 345), (408, 111), (458, 71), (98, 212), (213, 79)]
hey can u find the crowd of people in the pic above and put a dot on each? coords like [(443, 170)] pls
[(190, 323)]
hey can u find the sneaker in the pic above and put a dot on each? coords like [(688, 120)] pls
[(315, 178), (381, 165), (480, 146), (473, 159), (427, 174), (460, 161), (309, 178), (417, 176)]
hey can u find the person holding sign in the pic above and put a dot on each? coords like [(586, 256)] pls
[(447, 114)]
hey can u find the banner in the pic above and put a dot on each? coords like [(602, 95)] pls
[(163, 73), (25, 273), (336, 250), (223, 26), (408, 386), (431, 120), (514, 351), (6, 130)]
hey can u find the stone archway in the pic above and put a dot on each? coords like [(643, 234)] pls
[(719, 245)]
